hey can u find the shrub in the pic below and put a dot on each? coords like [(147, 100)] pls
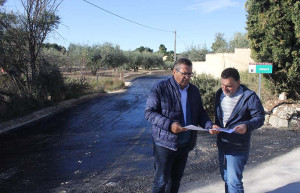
[(49, 84), (12, 104), (208, 86), (108, 84), (75, 88)]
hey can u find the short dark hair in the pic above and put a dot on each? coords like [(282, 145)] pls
[(230, 72), (182, 61)]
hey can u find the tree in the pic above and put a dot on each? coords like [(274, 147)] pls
[(13, 50), (144, 49), (95, 62), (220, 45), (239, 40), (134, 60), (274, 33), (79, 56), (152, 60), (56, 47), (195, 53), (162, 49), (22, 38), (56, 57), (39, 21), (112, 56)]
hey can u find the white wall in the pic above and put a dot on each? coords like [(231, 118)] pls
[(216, 63)]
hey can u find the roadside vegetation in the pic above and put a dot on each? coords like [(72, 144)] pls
[(35, 74), (208, 85)]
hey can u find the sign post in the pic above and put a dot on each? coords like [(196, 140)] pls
[(260, 67)]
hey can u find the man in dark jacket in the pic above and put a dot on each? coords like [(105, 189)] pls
[(237, 108), (171, 105)]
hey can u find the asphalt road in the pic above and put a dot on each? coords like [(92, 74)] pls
[(105, 145), (89, 148)]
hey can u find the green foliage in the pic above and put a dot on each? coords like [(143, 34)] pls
[(55, 47), (31, 81), (195, 53), (274, 33), (208, 86), (49, 84), (13, 105), (31, 67), (170, 56), (169, 65), (147, 60), (79, 56), (109, 56), (134, 60), (56, 57), (251, 81), (112, 56), (98, 56), (144, 49), (162, 49), (112, 84), (76, 87), (21, 41), (239, 40), (220, 45), (152, 60)]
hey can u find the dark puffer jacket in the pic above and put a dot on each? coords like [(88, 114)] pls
[(164, 107), (249, 111)]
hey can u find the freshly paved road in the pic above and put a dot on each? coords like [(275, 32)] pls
[(92, 145)]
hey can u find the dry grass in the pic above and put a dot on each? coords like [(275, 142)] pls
[(110, 80), (251, 81)]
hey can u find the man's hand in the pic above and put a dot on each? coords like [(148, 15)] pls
[(176, 128), (214, 132), (241, 129)]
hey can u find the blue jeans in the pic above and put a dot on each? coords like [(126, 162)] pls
[(232, 165), (169, 167)]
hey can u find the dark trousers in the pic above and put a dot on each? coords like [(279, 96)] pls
[(169, 167)]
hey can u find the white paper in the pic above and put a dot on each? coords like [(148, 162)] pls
[(193, 127), (224, 130)]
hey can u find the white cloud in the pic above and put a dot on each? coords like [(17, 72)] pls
[(208, 6)]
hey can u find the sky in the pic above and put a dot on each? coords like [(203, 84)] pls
[(196, 22)]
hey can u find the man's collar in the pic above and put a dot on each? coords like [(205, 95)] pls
[(186, 87)]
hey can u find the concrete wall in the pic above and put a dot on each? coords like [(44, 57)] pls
[(216, 63)]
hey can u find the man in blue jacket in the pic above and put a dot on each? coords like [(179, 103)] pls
[(171, 105), (238, 108)]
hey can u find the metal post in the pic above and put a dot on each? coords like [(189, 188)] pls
[(98, 80), (175, 55), (259, 82)]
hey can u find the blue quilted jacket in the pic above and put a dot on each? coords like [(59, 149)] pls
[(249, 111), (163, 107)]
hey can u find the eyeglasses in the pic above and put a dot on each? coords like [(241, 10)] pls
[(185, 74)]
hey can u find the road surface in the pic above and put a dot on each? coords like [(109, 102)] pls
[(105, 145), (94, 144)]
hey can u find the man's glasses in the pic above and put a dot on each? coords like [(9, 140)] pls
[(185, 74)]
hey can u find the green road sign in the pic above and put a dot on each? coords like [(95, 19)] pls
[(260, 67), (264, 68)]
